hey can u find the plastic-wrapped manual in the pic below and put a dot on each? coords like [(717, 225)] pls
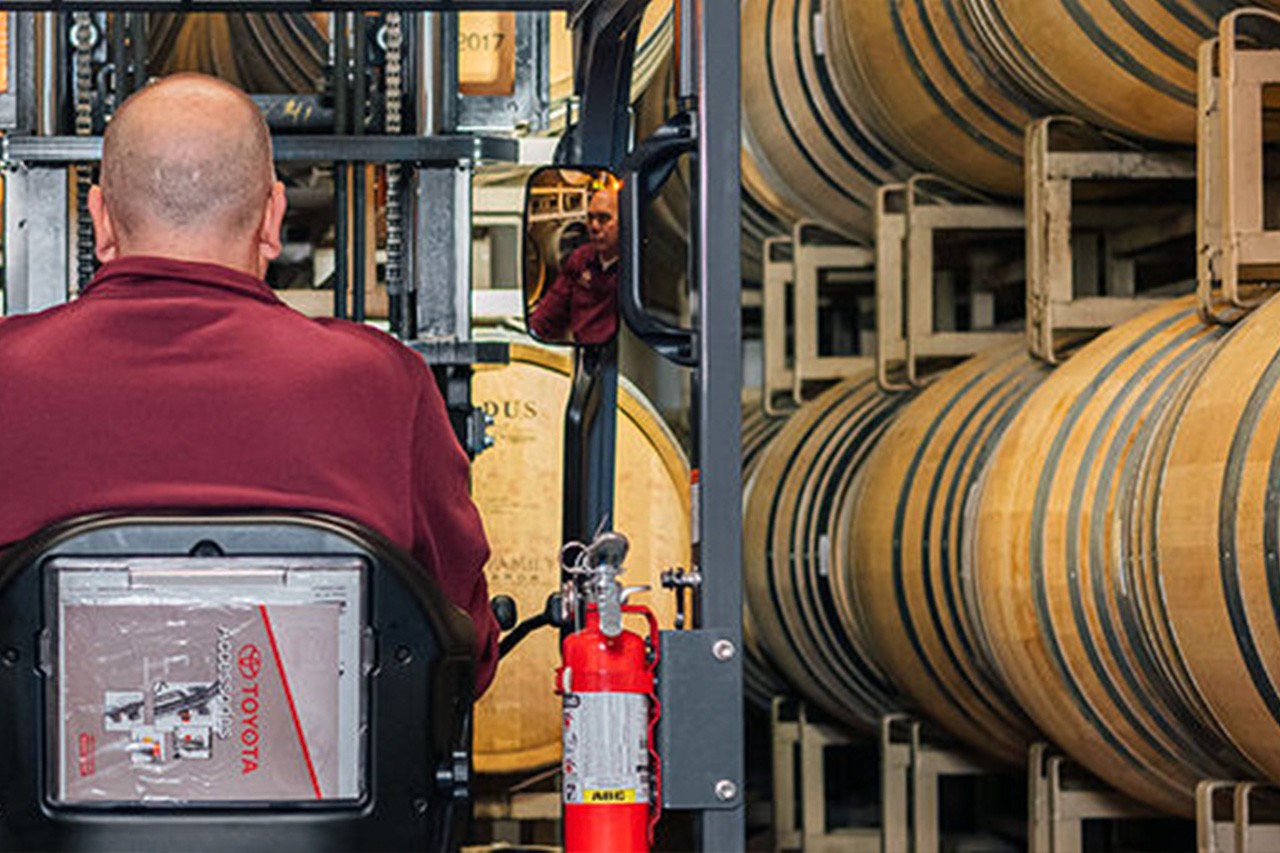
[(206, 680)]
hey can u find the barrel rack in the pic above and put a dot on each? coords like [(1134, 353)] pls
[(912, 325), (1236, 246), (1238, 832), (909, 218), (1054, 304), (1080, 278), (1061, 797), (912, 768), (793, 267), (1057, 808)]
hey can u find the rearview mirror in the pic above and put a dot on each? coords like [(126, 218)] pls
[(571, 255)]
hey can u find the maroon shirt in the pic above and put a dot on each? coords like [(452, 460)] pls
[(583, 300), (189, 385)]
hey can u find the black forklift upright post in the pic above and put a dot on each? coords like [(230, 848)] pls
[(605, 38), (718, 384)]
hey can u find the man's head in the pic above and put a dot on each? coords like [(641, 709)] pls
[(602, 221), (187, 173)]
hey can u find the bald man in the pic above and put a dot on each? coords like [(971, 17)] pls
[(178, 379)]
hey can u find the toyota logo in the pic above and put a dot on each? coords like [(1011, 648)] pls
[(250, 661)]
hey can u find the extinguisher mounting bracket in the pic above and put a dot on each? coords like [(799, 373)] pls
[(700, 732)]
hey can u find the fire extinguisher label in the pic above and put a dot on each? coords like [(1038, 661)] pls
[(606, 748)]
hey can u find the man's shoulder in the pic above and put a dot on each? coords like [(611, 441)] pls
[(14, 327), (371, 343), (583, 256)]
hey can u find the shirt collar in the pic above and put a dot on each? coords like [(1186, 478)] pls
[(142, 270)]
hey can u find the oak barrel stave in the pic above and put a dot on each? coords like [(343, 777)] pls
[(806, 624), (910, 528)]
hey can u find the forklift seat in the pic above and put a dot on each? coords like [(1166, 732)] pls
[(249, 681)]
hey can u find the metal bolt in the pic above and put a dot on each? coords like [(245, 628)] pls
[(10, 656), (420, 805), (723, 650), (404, 654), (726, 790), (84, 35)]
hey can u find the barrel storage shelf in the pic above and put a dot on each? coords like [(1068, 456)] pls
[(1084, 554)]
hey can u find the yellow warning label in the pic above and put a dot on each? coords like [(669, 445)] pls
[(609, 795)]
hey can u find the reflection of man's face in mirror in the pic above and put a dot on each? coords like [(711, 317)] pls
[(602, 220)]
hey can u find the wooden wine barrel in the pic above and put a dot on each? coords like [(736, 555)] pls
[(806, 141), (1052, 581), (792, 562), (288, 52), (653, 48), (1218, 539), (1123, 64), (913, 524), (912, 71), (517, 486), (264, 54), (760, 679)]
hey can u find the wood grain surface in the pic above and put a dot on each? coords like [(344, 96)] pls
[(791, 559), (1217, 515), (911, 554), (1053, 571)]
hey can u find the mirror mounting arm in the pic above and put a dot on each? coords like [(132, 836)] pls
[(643, 173)]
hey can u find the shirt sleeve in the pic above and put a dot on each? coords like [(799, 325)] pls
[(449, 538), (549, 319)]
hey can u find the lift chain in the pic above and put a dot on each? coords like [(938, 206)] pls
[(84, 37), (394, 124)]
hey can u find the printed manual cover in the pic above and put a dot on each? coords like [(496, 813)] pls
[(205, 700)]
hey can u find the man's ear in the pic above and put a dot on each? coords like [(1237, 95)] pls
[(272, 220), (106, 241)]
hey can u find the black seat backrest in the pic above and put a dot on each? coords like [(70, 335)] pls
[(145, 704)]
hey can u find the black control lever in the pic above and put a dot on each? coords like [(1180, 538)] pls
[(504, 610), (552, 615)]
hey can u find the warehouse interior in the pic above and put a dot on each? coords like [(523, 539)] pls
[(935, 401)]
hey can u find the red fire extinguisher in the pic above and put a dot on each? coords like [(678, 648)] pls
[(610, 768)]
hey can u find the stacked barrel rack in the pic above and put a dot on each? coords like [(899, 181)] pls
[(1073, 536)]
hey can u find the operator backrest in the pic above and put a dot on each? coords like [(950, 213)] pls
[(250, 682)]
